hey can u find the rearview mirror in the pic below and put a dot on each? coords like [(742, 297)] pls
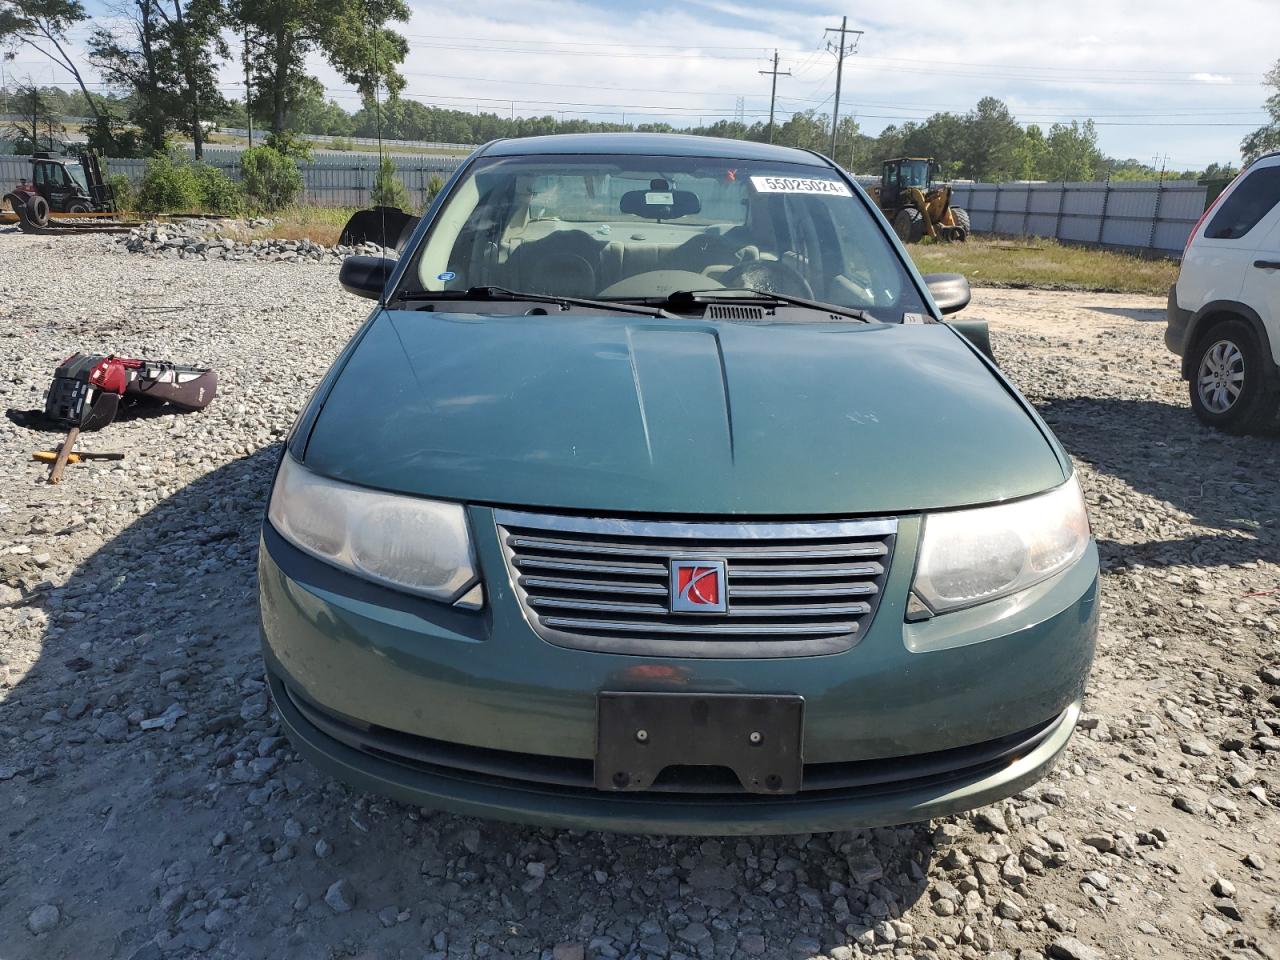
[(950, 291), (366, 276), (665, 204)]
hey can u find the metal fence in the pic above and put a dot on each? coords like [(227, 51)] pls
[(326, 183), (1134, 216)]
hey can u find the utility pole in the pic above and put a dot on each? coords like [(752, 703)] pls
[(248, 87), (4, 81), (773, 94), (841, 50)]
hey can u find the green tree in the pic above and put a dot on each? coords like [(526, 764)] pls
[(42, 25), (193, 44), (167, 58), (1072, 152), (1032, 153), (351, 34), (387, 190), (989, 150), (1266, 137), (131, 58)]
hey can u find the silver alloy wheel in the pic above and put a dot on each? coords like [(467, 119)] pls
[(1220, 377)]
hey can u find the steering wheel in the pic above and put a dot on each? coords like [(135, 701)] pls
[(769, 276)]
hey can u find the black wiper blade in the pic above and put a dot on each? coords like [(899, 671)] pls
[(505, 294), (733, 294)]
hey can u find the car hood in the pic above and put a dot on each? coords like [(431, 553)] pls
[(637, 415)]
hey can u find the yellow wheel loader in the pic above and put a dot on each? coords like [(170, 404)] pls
[(915, 205)]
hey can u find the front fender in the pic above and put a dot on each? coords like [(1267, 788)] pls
[(1223, 309)]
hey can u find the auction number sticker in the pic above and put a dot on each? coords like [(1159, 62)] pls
[(835, 188)]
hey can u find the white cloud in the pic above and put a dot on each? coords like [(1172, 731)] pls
[(686, 60)]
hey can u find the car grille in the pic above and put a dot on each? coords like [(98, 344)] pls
[(793, 589)]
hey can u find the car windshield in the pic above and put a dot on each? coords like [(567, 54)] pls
[(644, 227), (915, 173), (77, 175)]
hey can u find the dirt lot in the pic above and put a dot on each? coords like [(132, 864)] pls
[(127, 594)]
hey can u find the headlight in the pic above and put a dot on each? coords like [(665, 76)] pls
[(971, 556), (420, 546)]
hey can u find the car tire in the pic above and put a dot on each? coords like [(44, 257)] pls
[(1228, 356), (908, 225), (36, 211), (78, 207), (961, 217)]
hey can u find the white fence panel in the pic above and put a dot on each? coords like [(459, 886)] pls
[(1124, 215)]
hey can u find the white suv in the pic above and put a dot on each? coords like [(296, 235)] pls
[(1224, 310)]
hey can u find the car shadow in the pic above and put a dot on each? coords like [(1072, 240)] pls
[(208, 834), (1226, 483), (1141, 314)]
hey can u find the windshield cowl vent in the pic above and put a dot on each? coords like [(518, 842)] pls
[(727, 311)]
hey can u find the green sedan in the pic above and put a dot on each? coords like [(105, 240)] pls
[(656, 495)]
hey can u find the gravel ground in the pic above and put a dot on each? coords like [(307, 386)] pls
[(150, 808)]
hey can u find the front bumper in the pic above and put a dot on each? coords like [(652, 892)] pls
[(469, 711)]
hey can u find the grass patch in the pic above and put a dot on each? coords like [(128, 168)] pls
[(319, 224), (1045, 265)]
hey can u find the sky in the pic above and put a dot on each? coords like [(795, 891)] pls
[(1178, 81)]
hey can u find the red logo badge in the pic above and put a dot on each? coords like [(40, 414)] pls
[(698, 586)]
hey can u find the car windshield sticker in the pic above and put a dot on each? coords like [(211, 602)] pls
[(659, 199), (446, 276), (835, 188)]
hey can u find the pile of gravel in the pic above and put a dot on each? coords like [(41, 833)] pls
[(219, 240), (151, 808)]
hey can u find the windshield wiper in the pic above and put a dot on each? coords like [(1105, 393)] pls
[(684, 299), (506, 295)]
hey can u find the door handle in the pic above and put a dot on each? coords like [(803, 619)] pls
[(1267, 264)]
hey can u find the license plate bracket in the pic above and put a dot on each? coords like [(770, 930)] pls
[(757, 736)]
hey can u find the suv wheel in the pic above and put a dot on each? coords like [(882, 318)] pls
[(1234, 386)]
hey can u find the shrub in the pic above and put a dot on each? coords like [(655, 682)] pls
[(122, 189), (271, 179), (167, 186), (387, 190), (434, 186), (341, 143), (290, 144), (218, 192)]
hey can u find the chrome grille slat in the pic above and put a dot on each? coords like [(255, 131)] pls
[(586, 566), (611, 606), (594, 586), (806, 590), (805, 572), (764, 630), (736, 552), (793, 589)]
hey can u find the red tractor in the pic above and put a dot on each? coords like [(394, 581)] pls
[(71, 185)]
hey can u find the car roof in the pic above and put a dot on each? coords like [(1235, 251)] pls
[(650, 144)]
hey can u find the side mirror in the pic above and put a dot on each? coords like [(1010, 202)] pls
[(978, 333), (366, 276), (950, 291)]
